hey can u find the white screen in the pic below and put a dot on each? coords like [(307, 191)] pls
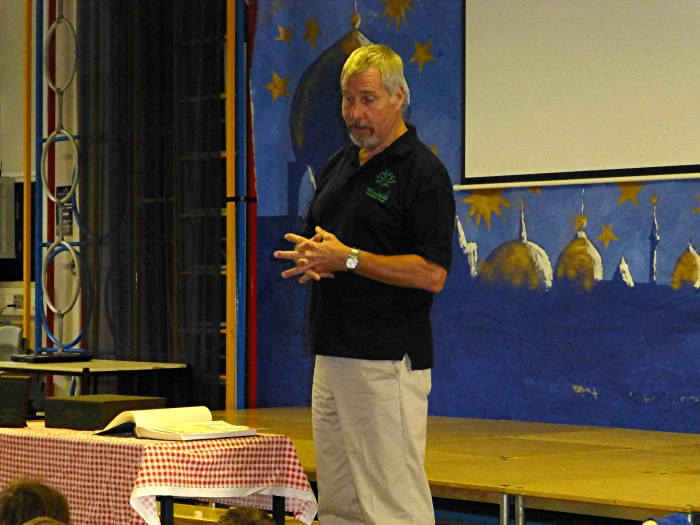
[(579, 85)]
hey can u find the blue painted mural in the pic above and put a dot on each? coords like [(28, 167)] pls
[(572, 304)]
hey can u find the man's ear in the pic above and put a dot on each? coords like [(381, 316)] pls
[(400, 96)]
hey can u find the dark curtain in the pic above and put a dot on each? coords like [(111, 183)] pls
[(152, 124)]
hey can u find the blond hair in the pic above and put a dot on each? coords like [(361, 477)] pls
[(388, 63)]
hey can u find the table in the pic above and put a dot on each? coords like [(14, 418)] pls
[(89, 371), (115, 480)]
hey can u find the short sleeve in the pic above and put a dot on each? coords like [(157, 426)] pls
[(431, 218)]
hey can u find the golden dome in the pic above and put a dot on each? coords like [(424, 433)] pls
[(520, 263), (686, 273), (580, 261)]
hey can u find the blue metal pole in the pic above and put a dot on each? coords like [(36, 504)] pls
[(38, 190), (241, 83)]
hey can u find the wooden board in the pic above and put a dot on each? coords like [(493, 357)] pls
[(619, 437)]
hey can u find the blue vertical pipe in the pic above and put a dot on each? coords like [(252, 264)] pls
[(38, 189), (241, 83)]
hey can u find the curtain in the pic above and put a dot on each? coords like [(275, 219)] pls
[(152, 133)]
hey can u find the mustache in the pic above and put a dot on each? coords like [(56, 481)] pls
[(358, 124)]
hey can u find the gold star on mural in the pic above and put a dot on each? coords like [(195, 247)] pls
[(697, 210), (535, 189), (607, 236), (312, 31), (628, 192), (396, 10), (285, 34), (434, 149), (278, 86), (422, 54), (485, 202)]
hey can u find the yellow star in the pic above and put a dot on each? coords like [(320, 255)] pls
[(422, 54), (278, 86), (628, 192), (485, 202), (396, 10), (697, 210), (285, 34), (434, 149), (535, 189), (607, 236), (312, 31)]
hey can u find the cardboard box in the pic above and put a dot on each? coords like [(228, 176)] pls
[(93, 412)]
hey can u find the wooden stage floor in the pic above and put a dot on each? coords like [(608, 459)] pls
[(596, 471)]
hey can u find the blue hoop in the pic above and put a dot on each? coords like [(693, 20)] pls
[(45, 324)]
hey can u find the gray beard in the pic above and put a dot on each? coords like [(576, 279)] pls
[(369, 143)]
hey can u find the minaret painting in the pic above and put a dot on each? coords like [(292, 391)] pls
[(654, 238)]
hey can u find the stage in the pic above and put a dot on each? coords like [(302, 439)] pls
[(595, 471)]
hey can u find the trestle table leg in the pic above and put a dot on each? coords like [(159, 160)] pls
[(505, 509), (167, 512), (519, 510), (278, 509)]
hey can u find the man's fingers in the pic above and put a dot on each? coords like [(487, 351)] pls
[(286, 255), (305, 257), (315, 276), (322, 234), (297, 270), (293, 237)]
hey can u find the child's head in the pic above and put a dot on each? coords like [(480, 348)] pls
[(244, 516), (26, 499)]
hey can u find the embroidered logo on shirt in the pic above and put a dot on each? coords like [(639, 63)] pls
[(381, 192)]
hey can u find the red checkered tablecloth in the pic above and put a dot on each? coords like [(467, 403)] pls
[(115, 480)]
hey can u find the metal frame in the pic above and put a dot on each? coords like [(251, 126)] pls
[(42, 145)]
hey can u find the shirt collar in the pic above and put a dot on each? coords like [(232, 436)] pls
[(401, 147), (405, 143)]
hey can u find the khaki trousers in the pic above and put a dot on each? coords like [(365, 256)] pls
[(369, 423)]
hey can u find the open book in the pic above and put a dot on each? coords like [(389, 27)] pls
[(174, 424)]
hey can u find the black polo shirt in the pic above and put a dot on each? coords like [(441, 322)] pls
[(399, 202)]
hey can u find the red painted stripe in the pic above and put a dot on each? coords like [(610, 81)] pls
[(252, 233)]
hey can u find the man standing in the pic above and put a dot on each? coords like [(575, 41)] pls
[(377, 244)]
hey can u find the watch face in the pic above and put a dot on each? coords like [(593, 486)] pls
[(351, 263)]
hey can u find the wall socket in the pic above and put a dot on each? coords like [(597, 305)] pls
[(18, 301)]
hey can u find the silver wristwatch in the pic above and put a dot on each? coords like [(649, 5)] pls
[(352, 261)]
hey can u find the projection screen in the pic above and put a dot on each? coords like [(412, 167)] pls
[(581, 91)]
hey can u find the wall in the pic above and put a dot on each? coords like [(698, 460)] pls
[(11, 86), (538, 319), (11, 123)]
